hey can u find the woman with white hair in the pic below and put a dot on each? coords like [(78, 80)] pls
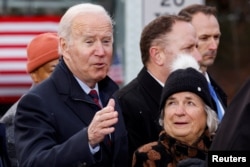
[(187, 118)]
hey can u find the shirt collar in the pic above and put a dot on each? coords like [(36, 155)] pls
[(162, 84), (207, 77), (85, 87)]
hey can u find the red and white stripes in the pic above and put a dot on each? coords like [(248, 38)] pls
[(15, 34)]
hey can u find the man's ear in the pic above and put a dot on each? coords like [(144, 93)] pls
[(156, 54), (64, 47)]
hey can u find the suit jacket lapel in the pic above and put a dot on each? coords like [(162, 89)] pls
[(151, 87), (72, 94)]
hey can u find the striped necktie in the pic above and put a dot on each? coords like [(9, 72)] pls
[(93, 94)]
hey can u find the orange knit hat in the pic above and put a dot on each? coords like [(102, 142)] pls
[(42, 49)]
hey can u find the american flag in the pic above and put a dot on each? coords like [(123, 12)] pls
[(116, 71), (15, 34)]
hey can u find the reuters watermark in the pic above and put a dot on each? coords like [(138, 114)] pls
[(229, 159)]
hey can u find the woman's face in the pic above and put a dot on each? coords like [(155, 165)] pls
[(185, 117)]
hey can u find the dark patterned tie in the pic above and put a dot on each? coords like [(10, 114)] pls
[(93, 94)]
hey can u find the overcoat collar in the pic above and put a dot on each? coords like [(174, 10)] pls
[(148, 83)]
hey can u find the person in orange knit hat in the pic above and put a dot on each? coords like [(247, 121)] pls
[(42, 57)]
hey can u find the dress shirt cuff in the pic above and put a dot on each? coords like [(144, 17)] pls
[(95, 149)]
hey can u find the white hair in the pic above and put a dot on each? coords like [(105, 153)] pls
[(64, 28), (212, 120)]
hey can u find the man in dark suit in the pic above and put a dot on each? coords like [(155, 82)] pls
[(203, 18), (58, 123), (161, 40)]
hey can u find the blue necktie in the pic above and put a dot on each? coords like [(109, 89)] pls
[(214, 96)]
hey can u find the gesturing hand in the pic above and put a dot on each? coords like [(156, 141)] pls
[(102, 123)]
